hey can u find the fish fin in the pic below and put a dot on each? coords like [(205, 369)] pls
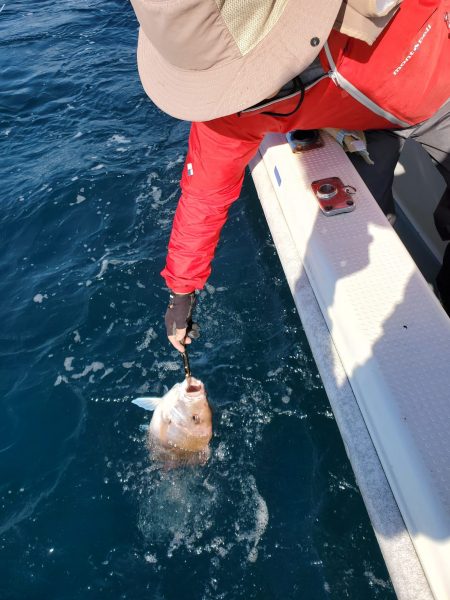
[(147, 403)]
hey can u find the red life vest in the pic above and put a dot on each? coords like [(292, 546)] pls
[(403, 79), (407, 72)]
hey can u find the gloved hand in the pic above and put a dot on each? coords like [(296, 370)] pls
[(178, 318)]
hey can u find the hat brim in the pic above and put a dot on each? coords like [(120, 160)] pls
[(228, 88)]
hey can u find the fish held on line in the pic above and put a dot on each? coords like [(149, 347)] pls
[(181, 426)]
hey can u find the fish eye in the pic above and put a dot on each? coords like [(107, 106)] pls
[(196, 418)]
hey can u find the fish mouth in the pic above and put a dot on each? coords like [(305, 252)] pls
[(192, 388)]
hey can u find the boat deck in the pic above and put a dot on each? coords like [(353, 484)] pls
[(382, 344)]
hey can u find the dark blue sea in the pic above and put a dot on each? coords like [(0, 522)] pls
[(89, 185)]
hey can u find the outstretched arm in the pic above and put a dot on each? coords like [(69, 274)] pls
[(211, 182)]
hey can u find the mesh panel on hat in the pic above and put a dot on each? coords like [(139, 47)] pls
[(250, 20)]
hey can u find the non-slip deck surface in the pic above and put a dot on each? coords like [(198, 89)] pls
[(391, 334)]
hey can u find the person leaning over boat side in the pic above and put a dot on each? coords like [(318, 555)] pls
[(241, 70)]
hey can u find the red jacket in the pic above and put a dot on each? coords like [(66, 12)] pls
[(403, 79)]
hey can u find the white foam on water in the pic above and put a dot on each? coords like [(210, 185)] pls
[(93, 367), (119, 139), (151, 558), (156, 193), (151, 176), (159, 201), (103, 268), (173, 163), (150, 335), (105, 262), (39, 298), (221, 451), (124, 400), (143, 389), (80, 199), (261, 521), (68, 363), (60, 379), (76, 336), (107, 372), (178, 511), (275, 372), (165, 222), (98, 167), (168, 365), (376, 581)]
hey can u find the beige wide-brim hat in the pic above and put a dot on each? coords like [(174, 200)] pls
[(203, 59)]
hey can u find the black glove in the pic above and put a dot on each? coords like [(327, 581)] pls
[(179, 314)]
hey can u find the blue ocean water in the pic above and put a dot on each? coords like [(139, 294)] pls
[(90, 172)]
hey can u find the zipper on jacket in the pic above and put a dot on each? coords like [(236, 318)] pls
[(353, 91), (271, 103), (264, 105)]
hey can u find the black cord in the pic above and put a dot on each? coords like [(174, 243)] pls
[(300, 86)]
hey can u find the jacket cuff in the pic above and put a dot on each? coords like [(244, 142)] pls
[(179, 286)]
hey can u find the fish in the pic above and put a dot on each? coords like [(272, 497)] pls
[(181, 426)]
